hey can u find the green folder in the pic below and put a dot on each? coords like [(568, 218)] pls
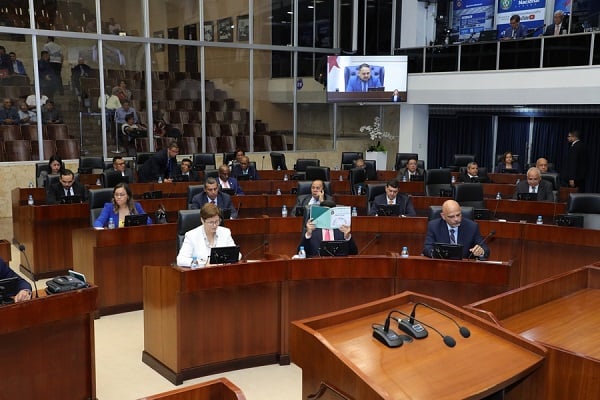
[(330, 218)]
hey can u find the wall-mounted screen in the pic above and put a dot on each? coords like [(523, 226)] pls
[(362, 79)]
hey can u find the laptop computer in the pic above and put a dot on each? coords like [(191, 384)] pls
[(527, 196), (509, 171), (229, 191), (417, 178), (243, 177), (482, 213), (334, 248), (447, 251), (71, 199), (136, 219), (388, 210), (224, 255), (488, 36)]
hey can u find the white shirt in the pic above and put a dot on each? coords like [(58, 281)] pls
[(195, 243)]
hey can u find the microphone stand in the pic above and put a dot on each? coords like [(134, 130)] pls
[(21, 248), (374, 238), (264, 244)]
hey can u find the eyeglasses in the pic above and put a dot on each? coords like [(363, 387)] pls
[(120, 194), (213, 222), (121, 163)]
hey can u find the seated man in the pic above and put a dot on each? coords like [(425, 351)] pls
[(313, 236), (363, 80), (471, 174), (316, 196), (227, 182), (391, 196), (409, 170), (211, 194), (542, 165), (535, 184), (23, 287), (453, 229), (186, 172), (65, 187), (244, 168), (50, 114), (8, 113), (516, 30), (119, 165)]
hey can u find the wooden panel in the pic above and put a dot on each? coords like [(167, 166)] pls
[(217, 389)]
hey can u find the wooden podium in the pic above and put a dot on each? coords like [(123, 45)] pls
[(217, 389), (560, 313), (47, 347), (340, 359)]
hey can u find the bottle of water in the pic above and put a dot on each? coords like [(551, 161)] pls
[(279, 168), (285, 177), (517, 182), (404, 252), (160, 179), (498, 196), (284, 211), (341, 177), (453, 179), (354, 212), (359, 190), (30, 200), (540, 220), (403, 178), (301, 252), (278, 192), (194, 263), (111, 223), (98, 182), (30, 185)]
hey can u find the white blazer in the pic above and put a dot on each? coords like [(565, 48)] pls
[(195, 244)]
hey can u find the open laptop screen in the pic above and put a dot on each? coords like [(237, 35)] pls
[(447, 251), (224, 255)]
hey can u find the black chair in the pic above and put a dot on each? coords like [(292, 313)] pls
[(373, 190), (554, 179), (586, 205), (461, 160), (193, 190), (304, 187), (469, 195), (349, 157), (278, 161), (357, 177), (437, 180), (420, 164), (301, 164), (467, 212), (211, 173), (482, 174), (313, 173), (141, 157), (97, 199), (111, 178), (228, 156), (403, 157), (201, 161), (90, 164), (186, 221)]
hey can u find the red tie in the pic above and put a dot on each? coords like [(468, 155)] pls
[(326, 235)]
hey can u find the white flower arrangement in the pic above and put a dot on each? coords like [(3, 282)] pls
[(376, 134)]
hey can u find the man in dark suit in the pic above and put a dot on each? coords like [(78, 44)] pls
[(313, 236), (471, 174), (243, 167), (120, 166), (227, 182), (535, 184), (211, 194), (576, 169), (66, 186), (186, 172), (452, 228), (409, 170), (559, 27), (391, 196), (23, 287), (162, 164), (316, 196)]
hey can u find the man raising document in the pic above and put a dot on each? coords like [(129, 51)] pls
[(451, 228), (316, 196)]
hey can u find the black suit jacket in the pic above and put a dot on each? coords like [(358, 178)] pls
[(55, 192), (402, 199), (550, 29), (576, 162), (312, 245), (404, 172), (223, 202), (156, 166), (544, 192), (465, 178), (302, 202), (468, 236), (236, 171)]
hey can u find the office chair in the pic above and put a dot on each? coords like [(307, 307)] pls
[(186, 221), (349, 157), (461, 160), (437, 180), (402, 158), (97, 199), (302, 163), (319, 172), (201, 161), (277, 161), (357, 176), (435, 211), (469, 194), (90, 164), (373, 190), (587, 205), (304, 187), (193, 190)]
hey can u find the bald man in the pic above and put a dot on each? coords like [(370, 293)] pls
[(542, 165), (535, 184), (465, 232)]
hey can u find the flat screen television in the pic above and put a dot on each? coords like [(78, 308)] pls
[(386, 74), (8, 288), (447, 251), (334, 248), (527, 196), (136, 219), (224, 255)]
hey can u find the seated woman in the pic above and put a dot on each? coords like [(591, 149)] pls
[(122, 205), (199, 241), (55, 165), (508, 165)]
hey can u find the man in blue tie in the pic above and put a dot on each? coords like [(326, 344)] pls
[(363, 80), (452, 228)]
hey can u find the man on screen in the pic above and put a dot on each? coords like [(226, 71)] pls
[(363, 80)]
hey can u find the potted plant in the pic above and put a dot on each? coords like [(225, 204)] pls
[(376, 151)]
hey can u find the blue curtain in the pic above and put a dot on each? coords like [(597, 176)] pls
[(513, 133), (463, 135)]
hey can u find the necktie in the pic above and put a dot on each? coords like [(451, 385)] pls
[(452, 237), (326, 235), (390, 201)]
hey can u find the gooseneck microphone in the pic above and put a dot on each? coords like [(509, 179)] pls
[(21, 248), (262, 164), (262, 245), (387, 336), (496, 209), (373, 239), (482, 241), (464, 331), (408, 327)]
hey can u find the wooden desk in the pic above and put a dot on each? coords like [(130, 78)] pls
[(113, 258), (47, 347), (560, 313), (338, 354), (217, 389), (199, 322)]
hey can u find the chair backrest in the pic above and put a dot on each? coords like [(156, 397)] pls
[(17, 150), (278, 160), (67, 149), (435, 211), (436, 180), (371, 167), (186, 220), (57, 131), (278, 142), (10, 132), (357, 176), (188, 145), (469, 194), (373, 190), (461, 160), (204, 159), (111, 178), (142, 157), (304, 187), (377, 71), (402, 158), (48, 149), (586, 203), (319, 172), (193, 190), (553, 178), (94, 214), (228, 156), (91, 162), (302, 163), (262, 143), (211, 144), (348, 158), (99, 197), (211, 173)]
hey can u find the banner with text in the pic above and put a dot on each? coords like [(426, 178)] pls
[(532, 13), (472, 16)]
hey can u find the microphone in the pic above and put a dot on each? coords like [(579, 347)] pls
[(239, 207), (262, 164), (482, 241), (374, 238), (408, 327), (21, 248), (387, 336), (496, 209), (464, 331), (263, 244)]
